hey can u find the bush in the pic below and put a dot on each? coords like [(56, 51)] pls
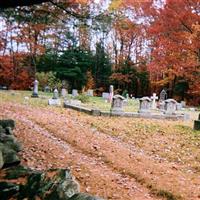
[(83, 98)]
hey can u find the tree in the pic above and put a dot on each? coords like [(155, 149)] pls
[(175, 46), (102, 67)]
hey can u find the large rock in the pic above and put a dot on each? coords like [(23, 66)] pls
[(52, 184), (10, 156), (7, 123)]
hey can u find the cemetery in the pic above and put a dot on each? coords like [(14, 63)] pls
[(159, 143), (100, 100)]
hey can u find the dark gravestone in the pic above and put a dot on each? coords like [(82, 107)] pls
[(197, 124), (163, 95)]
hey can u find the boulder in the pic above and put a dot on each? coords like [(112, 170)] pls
[(10, 156), (7, 123)]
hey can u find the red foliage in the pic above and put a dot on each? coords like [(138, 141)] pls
[(175, 39), (13, 76)]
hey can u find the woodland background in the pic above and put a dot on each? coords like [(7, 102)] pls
[(138, 46)]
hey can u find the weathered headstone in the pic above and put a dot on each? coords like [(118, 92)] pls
[(183, 103), (47, 89), (55, 101), (55, 94), (163, 95), (197, 124), (111, 93), (74, 92), (117, 104), (154, 98), (35, 89), (170, 106), (161, 105), (90, 93), (63, 92), (179, 106), (145, 105), (105, 95)]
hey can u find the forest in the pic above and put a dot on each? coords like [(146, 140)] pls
[(139, 46)]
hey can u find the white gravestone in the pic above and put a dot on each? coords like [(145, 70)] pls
[(154, 98), (74, 92), (90, 93), (63, 92), (145, 105), (105, 95), (117, 104), (170, 106), (111, 93), (55, 101), (35, 89)]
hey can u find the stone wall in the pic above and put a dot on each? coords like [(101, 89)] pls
[(19, 182)]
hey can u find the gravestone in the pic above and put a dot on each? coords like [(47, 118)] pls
[(35, 89), (170, 106), (74, 92), (47, 89), (154, 98), (105, 95), (145, 105), (111, 93), (63, 92), (197, 124), (179, 106), (163, 95), (90, 93), (183, 103), (55, 101), (117, 104), (161, 106)]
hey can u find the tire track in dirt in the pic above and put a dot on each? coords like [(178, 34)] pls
[(121, 186), (117, 155)]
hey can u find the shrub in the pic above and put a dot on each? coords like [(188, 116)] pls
[(83, 98)]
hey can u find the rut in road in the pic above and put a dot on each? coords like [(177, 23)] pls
[(98, 178)]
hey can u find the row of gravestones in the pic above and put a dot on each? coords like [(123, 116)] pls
[(168, 106), (63, 91)]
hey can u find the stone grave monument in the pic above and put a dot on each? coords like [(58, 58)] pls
[(47, 89), (105, 95), (74, 92), (111, 93), (163, 95), (90, 93), (197, 124), (117, 104), (154, 98), (35, 89), (55, 101), (170, 106), (145, 105), (63, 92)]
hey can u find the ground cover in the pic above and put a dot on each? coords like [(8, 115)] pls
[(116, 158)]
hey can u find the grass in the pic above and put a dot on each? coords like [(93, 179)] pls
[(42, 101)]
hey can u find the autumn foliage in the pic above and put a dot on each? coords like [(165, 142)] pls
[(150, 45)]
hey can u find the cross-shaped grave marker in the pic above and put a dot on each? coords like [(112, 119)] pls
[(154, 98)]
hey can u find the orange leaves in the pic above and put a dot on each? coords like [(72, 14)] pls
[(121, 78), (12, 74)]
